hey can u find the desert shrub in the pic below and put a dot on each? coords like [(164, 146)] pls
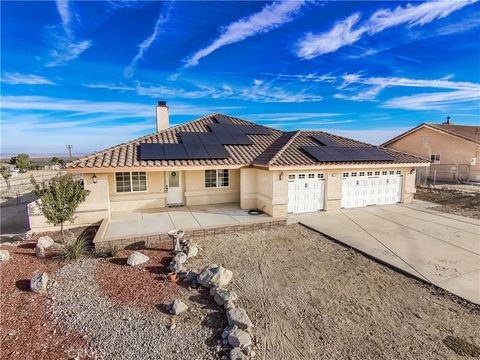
[(74, 249), (111, 250)]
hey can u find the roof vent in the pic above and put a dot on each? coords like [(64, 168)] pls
[(448, 122)]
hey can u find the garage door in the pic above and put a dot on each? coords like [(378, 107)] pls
[(305, 192), (365, 188)]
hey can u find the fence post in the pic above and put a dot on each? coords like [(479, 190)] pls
[(434, 177), (456, 173)]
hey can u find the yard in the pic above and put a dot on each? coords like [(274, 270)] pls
[(308, 297)]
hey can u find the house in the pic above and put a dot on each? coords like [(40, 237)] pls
[(223, 159), (453, 150)]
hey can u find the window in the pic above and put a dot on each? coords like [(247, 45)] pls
[(291, 176), (311, 176), (345, 174), (131, 181), (384, 173), (369, 173), (354, 174), (435, 158), (377, 173), (362, 173), (399, 172), (216, 178), (301, 176), (320, 176), (392, 172)]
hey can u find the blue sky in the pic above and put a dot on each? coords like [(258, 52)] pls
[(90, 73)]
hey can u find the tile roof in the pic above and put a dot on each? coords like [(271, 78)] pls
[(471, 133), (277, 149)]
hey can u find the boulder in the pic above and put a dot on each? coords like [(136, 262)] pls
[(178, 307), (180, 257), (39, 251), (239, 317), (191, 251), (237, 354), (214, 275), (176, 267), (222, 296), (137, 258), (239, 339), (229, 305), (4, 255), (39, 282), (45, 242)]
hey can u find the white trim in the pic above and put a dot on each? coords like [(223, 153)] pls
[(216, 177), (131, 185)]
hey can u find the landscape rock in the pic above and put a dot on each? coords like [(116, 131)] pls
[(4, 255), (191, 276), (239, 338), (39, 251), (239, 317), (45, 242), (222, 296), (227, 331), (39, 282), (192, 251), (214, 275), (137, 258), (178, 307), (229, 305), (237, 354), (176, 267), (180, 257)]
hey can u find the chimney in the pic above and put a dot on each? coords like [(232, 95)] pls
[(163, 121), (448, 120)]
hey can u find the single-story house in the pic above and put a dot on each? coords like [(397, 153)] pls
[(453, 150), (223, 159)]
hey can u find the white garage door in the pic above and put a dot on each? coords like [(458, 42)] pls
[(371, 188), (305, 192)]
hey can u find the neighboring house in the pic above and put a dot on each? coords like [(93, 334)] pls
[(222, 159), (453, 150)]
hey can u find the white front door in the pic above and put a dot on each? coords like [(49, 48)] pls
[(305, 192), (371, 188), (173, 183)]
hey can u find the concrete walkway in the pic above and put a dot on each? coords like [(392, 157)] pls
[(136, 223), (440, 248)]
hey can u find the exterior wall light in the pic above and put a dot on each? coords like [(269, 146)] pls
[(280, 177), (94, 179), (412, 171)]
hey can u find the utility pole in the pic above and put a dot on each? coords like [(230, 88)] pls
[(69, 148)]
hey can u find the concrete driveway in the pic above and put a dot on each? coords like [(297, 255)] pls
[(440, 248)]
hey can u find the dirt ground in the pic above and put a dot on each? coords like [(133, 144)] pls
[(463, 200), (311, 298)]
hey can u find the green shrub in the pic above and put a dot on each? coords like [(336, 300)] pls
[(111, 250), (74, 249)]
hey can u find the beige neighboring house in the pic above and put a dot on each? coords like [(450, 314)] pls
[(453, 150), (270, 170)]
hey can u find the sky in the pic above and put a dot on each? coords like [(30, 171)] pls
[(90, 73)]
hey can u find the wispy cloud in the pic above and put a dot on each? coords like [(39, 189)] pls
[(270, 17), (349, 31), (145, 44), (435, 101), (25, 79), (288, 116), (66, 46), (311, 77), (374, 136)]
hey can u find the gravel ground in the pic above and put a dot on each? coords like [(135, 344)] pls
[(311, 298), (119, 331)]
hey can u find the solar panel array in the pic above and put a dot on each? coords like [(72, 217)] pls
[(186, 151), (324, 140), (347, 153)]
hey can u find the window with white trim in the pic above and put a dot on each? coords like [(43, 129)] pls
[(131, 181), (377, 173), (320, 176), (291, 176), (369, 173), (435, 158), (216, 178), (362, 173), (392, 172), (345, 174), (354, 174), (384, 172), (301, 176), (399, 172), (311, 176)]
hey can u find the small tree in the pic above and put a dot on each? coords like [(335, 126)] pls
[(4, 172), (22, 162), (60, 199), (55, 160)]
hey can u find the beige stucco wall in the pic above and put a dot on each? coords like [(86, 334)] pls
[(453, 150), (197, 194)]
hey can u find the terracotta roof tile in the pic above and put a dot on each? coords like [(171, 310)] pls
[(471, 133), (277, 149)]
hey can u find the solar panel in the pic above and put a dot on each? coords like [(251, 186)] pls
[(346, 153), (196, 151), (222, 119), (151, 152), (190, 137), (208, 139), (324, 140), (242, 139), (217, 151), (218, 128), (255, 130), (175, 152)]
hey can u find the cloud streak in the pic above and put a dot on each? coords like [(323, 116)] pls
[(270, 17), (145, 44), (25, 79), (349, 31)]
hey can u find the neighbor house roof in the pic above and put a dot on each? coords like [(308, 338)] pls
[(465, 132), (277, 149)]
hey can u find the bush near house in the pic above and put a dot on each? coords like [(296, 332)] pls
[(60, 199)]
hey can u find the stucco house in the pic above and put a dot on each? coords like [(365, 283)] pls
[(453, 150), (222, 159)]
